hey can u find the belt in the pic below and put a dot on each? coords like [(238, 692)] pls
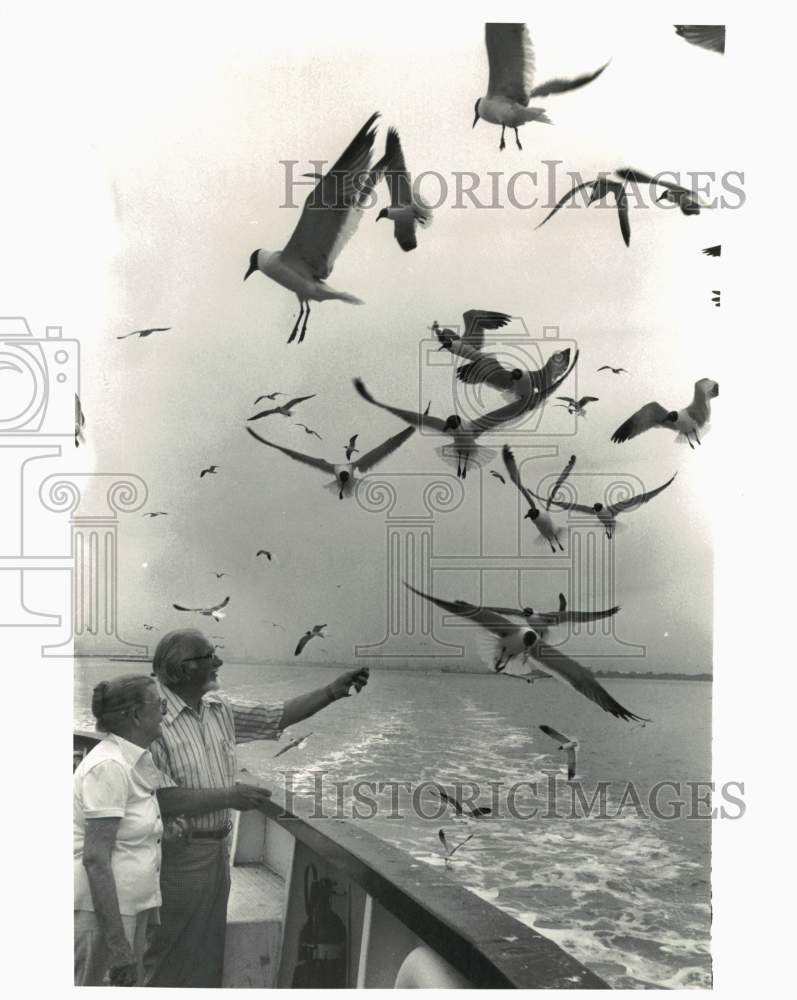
[(209, 834)]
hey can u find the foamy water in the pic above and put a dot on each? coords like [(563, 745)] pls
[(628, 896)]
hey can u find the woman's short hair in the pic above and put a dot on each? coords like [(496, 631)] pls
[(111, 700), (173, 649)]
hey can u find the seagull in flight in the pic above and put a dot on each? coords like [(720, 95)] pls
[(563, 475), (263, 552), (219, 575), (345, 474), (519, 642), (542, 621), (331, 214), (157, 513), (687, 422), (441, 836), (269, 395), (285, 410), (316, 630), (210, 471), (541, 520), (686, 200), (215, 611), (707, 36), (577, 406), (609, 368), (599, 189), (565, 743), (309, 430), (349, 448), (459, 809), (607, 514), (464, 435), (407, 209), (266, 621), (144, 333), (80, 422), (295, 744), (498, 476), (511, 85), (149, 628), (715, 251)]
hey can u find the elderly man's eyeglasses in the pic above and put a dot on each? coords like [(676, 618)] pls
[(205, 656)]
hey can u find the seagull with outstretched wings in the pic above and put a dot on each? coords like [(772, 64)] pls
[(311, 633), (707, 36), (295, 744), (460, 808), (688, 423), (610, 368), (599, 189), (285, 410), (715, 251), (511, 85), (441, 836), (407, 209), (269, 395), (331, 214), (542, 621), (607, 514), (577, 406), (514, 645), (144, 333), (210, 471), (349, 448), (263, 552), (215, 611), (565, 743), (309, 430), (156, 513), (540, 519), (686, 200), (345, 474)]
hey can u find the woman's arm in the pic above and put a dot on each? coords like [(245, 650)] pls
[(97, 847)]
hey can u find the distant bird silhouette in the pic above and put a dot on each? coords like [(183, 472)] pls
[(715, 297), (541, 521), (565, 743), (309, 430), (211, 470), (498, 476), (215, 611), (577, 406), (616, 371), (407, 209), (687, 422), (458, 807), (80, 422), (345, 474), (274, 624), (263, 552), (713, 251), (316, 630), (607, 514), (157, 513), (269, 395), (286, 410), (707, 36), (295, 744), (149, 628), (563, 475), (330, 216), (441, 836), (349, 448), (144, 333), (219, 575), (511, 85)]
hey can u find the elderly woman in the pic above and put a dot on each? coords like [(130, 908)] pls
[(117, 834)]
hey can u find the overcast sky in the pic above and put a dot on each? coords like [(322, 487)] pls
[(165, 149)]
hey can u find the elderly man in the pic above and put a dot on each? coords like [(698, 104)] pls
[(196, 749)]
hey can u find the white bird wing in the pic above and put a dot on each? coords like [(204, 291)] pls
[(650, 415), (317, 463), (375, 455), (569, 672), (514, 475), (409, 416), (398, 179), (511, 58), (333, 209), (477, 321), (218, 607), (636, 501), (561, 85), (488, 619)]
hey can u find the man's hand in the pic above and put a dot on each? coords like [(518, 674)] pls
[(246, 797), (340, 686)]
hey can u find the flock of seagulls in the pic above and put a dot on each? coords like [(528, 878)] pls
[(513, 639)]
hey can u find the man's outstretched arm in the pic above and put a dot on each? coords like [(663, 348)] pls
[(305, 705)]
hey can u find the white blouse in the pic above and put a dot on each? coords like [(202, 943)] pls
[(119, 779)]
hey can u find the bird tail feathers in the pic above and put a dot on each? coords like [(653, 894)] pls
[(536, 115)]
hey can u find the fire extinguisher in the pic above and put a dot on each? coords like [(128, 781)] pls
[(321, 960)]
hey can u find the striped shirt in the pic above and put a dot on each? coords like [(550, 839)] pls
[(197, 750)]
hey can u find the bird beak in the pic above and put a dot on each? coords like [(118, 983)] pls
[(251, 270)]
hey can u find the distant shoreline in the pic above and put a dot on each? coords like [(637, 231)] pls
[(630, 675)]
